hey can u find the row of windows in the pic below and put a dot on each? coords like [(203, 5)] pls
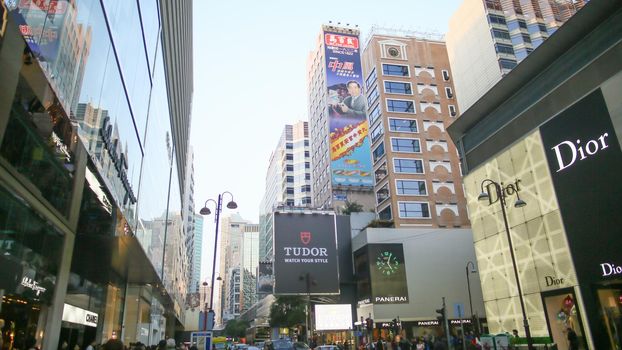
[(373, 76), (401, 165), (404, 188), (407, 210), (404, 106), (398, 70)]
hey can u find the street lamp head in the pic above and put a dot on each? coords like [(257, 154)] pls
[(219, 278), (232, 205), (205, 283), (519, 203), (205, 211), (483, 196)]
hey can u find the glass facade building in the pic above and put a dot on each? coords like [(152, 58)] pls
[(90, 184)]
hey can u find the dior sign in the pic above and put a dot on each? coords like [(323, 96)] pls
[(609, 269), (566, 151)]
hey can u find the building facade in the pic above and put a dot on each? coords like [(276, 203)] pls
[(288, 180), (85, 198), (488, 38), (195, 279), (411, 101), (340, 160), (250, 264), (550, 133)]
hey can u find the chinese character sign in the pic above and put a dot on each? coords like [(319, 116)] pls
[(349, 145)]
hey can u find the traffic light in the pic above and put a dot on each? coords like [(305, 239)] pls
[(441, 316)]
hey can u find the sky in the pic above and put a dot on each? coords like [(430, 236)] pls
[(250, 80)]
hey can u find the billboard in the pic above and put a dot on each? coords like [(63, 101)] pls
[(382, 270), (333, 317), (305, 254), (265, 278), (350, 152)]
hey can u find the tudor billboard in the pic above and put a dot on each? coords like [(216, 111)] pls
[(305, 254)]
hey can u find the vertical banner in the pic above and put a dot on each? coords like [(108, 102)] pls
[(305, 254), (347, 112)]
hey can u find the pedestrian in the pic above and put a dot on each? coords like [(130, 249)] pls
[(91, 345), (380, 343), (114, 344), (162, 345), (440, 344), (573, 340)]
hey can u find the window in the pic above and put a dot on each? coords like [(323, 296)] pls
[(395, 70), (507, 64), (372, 96), (542, 27), (496, 19), (452, 110), (289, 156), (305, 188), (405, 145), (445, 74), (381, 172), (501, 34), (400, 106), (382, 194), (374, 115), (408, 166), (289, 167), (289, 179), (371, 78), (376, 133), (504, 48), (402, 125), (289, 146), (306, 154), (307, 165), (411, 188), (522, 24), (378, 152), (385, 214), (448, 92), (289, 203), (526, 38), (414, 210), (393, 87), (307, 176), (306, 142), (289, 190)]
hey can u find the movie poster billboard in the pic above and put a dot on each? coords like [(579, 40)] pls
[(347, 112), (305, 254), (265, 278)]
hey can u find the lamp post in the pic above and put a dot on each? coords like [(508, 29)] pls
[(309, 281), (501, 192), (205, 211), (473, 270)]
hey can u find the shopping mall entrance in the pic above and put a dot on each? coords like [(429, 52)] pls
[(610, 311), (76, 334), (562, 314), (20, 317)]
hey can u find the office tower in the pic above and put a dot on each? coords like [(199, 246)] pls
[(488, 38), (95, 207), (249, 265), (340, 159), (189, 223), (288, 181), (411, 101), (197, 251)]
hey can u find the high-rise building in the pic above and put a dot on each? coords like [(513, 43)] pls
[(288, 180), (250, 264), (411, 101), (92, 241), (195, 279), (488, 38), (189, 215), (340, 158)]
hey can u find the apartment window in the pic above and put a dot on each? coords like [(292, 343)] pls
[(496, 19), (305, 188), (289, 167), (378, 152), (306, 142), (526, 38), (522, 24), (307, 165), (445, 74), (289, 203), (500, 33), (400, 106), (402, 125), (382, 194), (416, 210), (306, 154), (507, 64), (395, 70), (448, 92), (408, 166), (307, 176), (289, 179), (405, 145), (371, 78), (374, 114), (385, 214), (373, 96), (289, 190), (394, 87), (376, 133), (289, 156), (504, 48), (452, 110), (411, 188), (289, 146), (542, 27), (381, 172)]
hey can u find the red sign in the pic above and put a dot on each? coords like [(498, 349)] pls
[(346, 41), (305, 237)]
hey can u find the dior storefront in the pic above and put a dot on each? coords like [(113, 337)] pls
[(550, 133)]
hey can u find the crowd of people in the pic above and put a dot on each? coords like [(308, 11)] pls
[(116, 344)]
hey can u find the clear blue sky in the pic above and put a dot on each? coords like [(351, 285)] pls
[(249, 81)]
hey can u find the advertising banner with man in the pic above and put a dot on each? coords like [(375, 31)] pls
[(349, 145), (305, 254)]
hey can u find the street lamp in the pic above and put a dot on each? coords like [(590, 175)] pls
[(309, 281), (473, 270), (501, 192), (205, 211)]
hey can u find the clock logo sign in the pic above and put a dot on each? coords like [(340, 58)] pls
[(387, 263)]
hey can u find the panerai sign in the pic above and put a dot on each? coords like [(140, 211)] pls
[(609, 269), (567, 152)]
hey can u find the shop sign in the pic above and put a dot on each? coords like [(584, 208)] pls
[(32, 284), (609, 269), (74, 314), (364, 301), (119, 160), (553, 281)]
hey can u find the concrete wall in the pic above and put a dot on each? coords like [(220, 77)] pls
[(435, 267)]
